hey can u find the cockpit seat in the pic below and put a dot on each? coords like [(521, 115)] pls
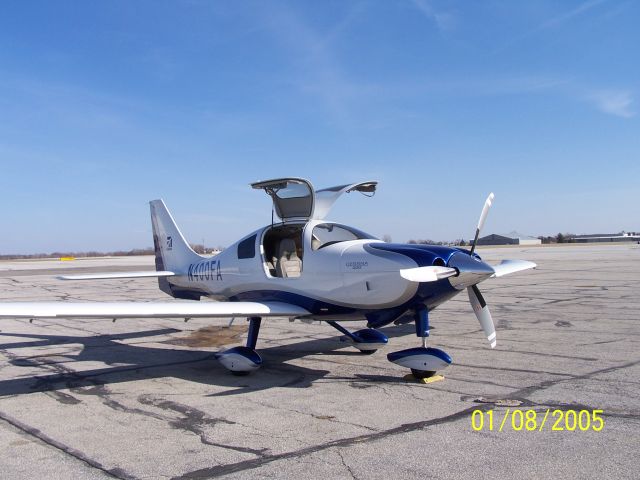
[(288, 263)]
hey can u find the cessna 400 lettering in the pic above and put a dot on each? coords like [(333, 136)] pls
[(303, 267)]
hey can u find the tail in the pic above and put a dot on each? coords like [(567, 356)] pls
[(173, 253)]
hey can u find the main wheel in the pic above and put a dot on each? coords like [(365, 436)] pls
[(422, 373), (368, 352)]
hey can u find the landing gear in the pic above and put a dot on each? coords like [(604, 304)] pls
[(367, 340), (423, 361), (243, 360)]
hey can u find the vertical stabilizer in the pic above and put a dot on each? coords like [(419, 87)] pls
[(173, 253)]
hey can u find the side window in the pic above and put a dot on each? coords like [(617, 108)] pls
[(247, 247)]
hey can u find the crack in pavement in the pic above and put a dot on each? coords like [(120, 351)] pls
[(194, 421), (77, 454), (344, 463), (219, 470)]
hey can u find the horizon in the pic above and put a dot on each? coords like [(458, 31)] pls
[(106, 106), (568, 238)]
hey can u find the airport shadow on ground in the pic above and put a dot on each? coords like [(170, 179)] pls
[(131, 362)]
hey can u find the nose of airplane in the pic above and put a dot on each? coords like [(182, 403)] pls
[(471, 270)]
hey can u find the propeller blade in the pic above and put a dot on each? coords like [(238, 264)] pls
[(483, 218), (427, 274), (483, 314)]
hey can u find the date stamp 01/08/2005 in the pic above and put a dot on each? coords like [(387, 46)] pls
[(532, 421)]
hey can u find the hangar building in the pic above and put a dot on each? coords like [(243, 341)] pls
[(512, 238)]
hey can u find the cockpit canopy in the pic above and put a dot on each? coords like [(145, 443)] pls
[(325, 234), (296, 199)]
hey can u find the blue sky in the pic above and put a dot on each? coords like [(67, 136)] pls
[(107, 105)]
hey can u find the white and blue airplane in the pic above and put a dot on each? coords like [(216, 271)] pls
[(302, 267)]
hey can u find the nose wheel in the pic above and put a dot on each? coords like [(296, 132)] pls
[(423, 361), (422, 373)]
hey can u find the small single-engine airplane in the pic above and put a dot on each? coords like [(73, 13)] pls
[(302, 267)]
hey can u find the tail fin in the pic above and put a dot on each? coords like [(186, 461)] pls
[(173, 253)]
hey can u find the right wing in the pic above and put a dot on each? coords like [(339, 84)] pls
[(507, 267), (182, 309)]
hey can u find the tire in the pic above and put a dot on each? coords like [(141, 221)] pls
[(368, 352), (422, 373)]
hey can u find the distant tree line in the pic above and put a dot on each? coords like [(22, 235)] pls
[(198, 248), (459, 242), (559, 238)]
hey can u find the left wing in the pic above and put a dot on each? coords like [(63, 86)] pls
[(106, 276), (185, 309)]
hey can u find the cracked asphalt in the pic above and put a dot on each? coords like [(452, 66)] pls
[(147, 399)]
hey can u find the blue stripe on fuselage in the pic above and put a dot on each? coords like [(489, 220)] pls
[(423, 255)]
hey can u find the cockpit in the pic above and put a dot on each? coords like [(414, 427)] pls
[(284, 244), (300, 207)]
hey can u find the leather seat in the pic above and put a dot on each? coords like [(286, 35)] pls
[(288, 264)]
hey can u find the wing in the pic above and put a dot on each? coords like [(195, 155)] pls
[(182, 309), (507, 267), (106, 276)]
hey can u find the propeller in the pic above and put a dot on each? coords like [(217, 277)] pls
[(483, 217), (478, 304), (483, 314)]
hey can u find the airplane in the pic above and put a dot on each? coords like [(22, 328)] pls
[(302, 267)]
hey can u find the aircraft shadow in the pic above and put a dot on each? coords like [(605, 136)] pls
[(131, 362)]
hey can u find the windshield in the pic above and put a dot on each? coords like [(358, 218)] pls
[(325, 234)]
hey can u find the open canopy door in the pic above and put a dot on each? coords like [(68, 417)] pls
[(293, 198), (326, 197)]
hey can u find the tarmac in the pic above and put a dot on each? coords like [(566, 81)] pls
[(147, 399)]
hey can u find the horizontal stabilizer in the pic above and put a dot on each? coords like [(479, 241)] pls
[(107, 276), (180, 309), (427, 274), (507, 267)]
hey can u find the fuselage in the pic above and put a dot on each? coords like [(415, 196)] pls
[(332, 270)]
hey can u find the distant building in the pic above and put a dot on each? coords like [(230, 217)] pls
[(513, 238), (608, 237)]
